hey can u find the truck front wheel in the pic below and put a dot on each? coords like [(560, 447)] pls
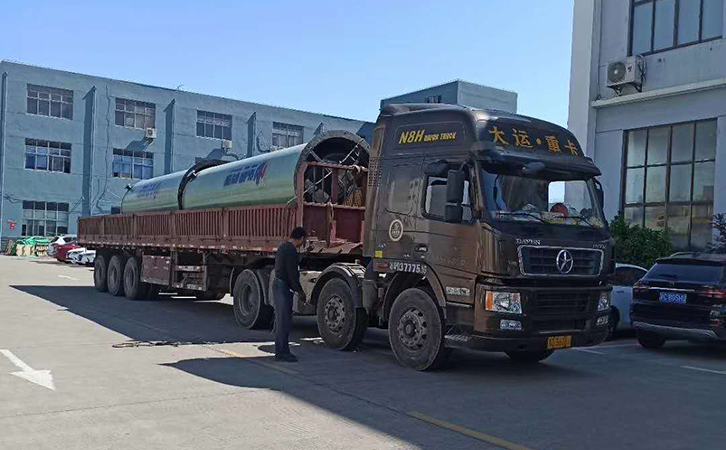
[(100, 277), (529, 357), (115, 275), (416, 332), (250, 309), (341, 325)]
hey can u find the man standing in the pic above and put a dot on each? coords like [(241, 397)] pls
[(287, 280)]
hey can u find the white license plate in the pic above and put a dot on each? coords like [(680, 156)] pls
[(673, 297)]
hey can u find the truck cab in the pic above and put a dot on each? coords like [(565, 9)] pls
[(484, 229)]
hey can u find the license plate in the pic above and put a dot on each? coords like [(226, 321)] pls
[(673, 297), (555, 342)]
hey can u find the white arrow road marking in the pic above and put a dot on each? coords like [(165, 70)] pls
[(39, 377), (66, 276)]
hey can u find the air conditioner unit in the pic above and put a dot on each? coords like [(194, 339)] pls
[(226, 144), (626, 72), (150, 133)]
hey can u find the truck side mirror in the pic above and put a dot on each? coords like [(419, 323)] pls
[(455, 187), (454, 213)]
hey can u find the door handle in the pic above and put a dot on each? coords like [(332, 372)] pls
[(422, 248)]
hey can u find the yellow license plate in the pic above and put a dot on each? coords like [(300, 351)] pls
[(555, 342)]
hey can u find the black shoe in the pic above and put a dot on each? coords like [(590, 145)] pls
[(287, 357)]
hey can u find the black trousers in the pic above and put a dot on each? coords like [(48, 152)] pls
[(283, 316)]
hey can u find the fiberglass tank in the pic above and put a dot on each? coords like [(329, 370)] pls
[(267, 179)]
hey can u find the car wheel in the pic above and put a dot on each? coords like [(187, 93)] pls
[(341, 325), (651, 340), (613, 322), (529, 357), (100, 267), (416, 330), (115, 276)]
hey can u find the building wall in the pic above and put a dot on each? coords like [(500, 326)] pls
[(681, 85), (90, 188), (463, 93)]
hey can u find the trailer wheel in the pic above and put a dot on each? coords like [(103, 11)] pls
[(100, 276), (529, 357), (250, 309), (416, 331), (115, 278), (341, 325), (134, 288)]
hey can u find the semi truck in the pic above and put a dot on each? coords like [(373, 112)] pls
[(456, 228)]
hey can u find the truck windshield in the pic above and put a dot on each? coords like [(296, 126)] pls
[(520, 198)]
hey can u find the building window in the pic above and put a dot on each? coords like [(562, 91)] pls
[(669, 181), (213, 125), (47, 155), (44, 218), (135, 164), (285, 135), (659, 25), (135, 114), (433, 99), (48, 101)]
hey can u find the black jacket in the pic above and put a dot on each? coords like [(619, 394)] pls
[(286, 266)]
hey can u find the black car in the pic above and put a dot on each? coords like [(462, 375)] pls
[(681, 297)]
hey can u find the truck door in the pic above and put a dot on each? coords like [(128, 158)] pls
[(397, 209), (450, 248)]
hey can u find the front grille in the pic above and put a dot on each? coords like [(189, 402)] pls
[(563, 302), (696, 316), (558, 325), (543, 261)]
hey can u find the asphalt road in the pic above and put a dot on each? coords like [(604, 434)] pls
[(219, 388)]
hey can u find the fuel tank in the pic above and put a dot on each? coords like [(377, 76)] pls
[(268, 179)]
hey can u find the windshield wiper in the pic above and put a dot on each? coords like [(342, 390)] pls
[(584, 220), (523, 213)]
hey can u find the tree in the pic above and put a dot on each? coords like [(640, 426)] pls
[(719, 241), (639, 246)]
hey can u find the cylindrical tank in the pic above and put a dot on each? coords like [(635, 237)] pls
[(268, 179)]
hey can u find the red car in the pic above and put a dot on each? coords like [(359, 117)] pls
[(63, 250)]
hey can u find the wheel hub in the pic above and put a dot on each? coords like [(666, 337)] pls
[(413, 329), (335, 313)]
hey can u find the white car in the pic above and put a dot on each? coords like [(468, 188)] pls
[(623, 280), (87, 257), (74, 256), (58, 241)]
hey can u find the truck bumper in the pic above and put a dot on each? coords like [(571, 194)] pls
[(531, 343)]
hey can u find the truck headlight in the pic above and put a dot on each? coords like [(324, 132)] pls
[(506, 302), (604, 302)]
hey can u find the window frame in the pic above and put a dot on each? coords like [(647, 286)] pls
[(50, 91), (60, 207), (134, 155), (700, 40), (668, 164), (438, 99), (214, 116), (48, 155), (136, 104), (278, 126)]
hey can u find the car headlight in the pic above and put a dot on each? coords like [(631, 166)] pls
[(506, 302), (604, 302)]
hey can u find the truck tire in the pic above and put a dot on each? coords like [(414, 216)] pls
[(416, 330), (134, 288), (209, 295), (341, 325), (651, 340), (100, 273), (529, 357), (250, 309), (115, 275)]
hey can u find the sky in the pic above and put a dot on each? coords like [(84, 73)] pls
[(332, 57)]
